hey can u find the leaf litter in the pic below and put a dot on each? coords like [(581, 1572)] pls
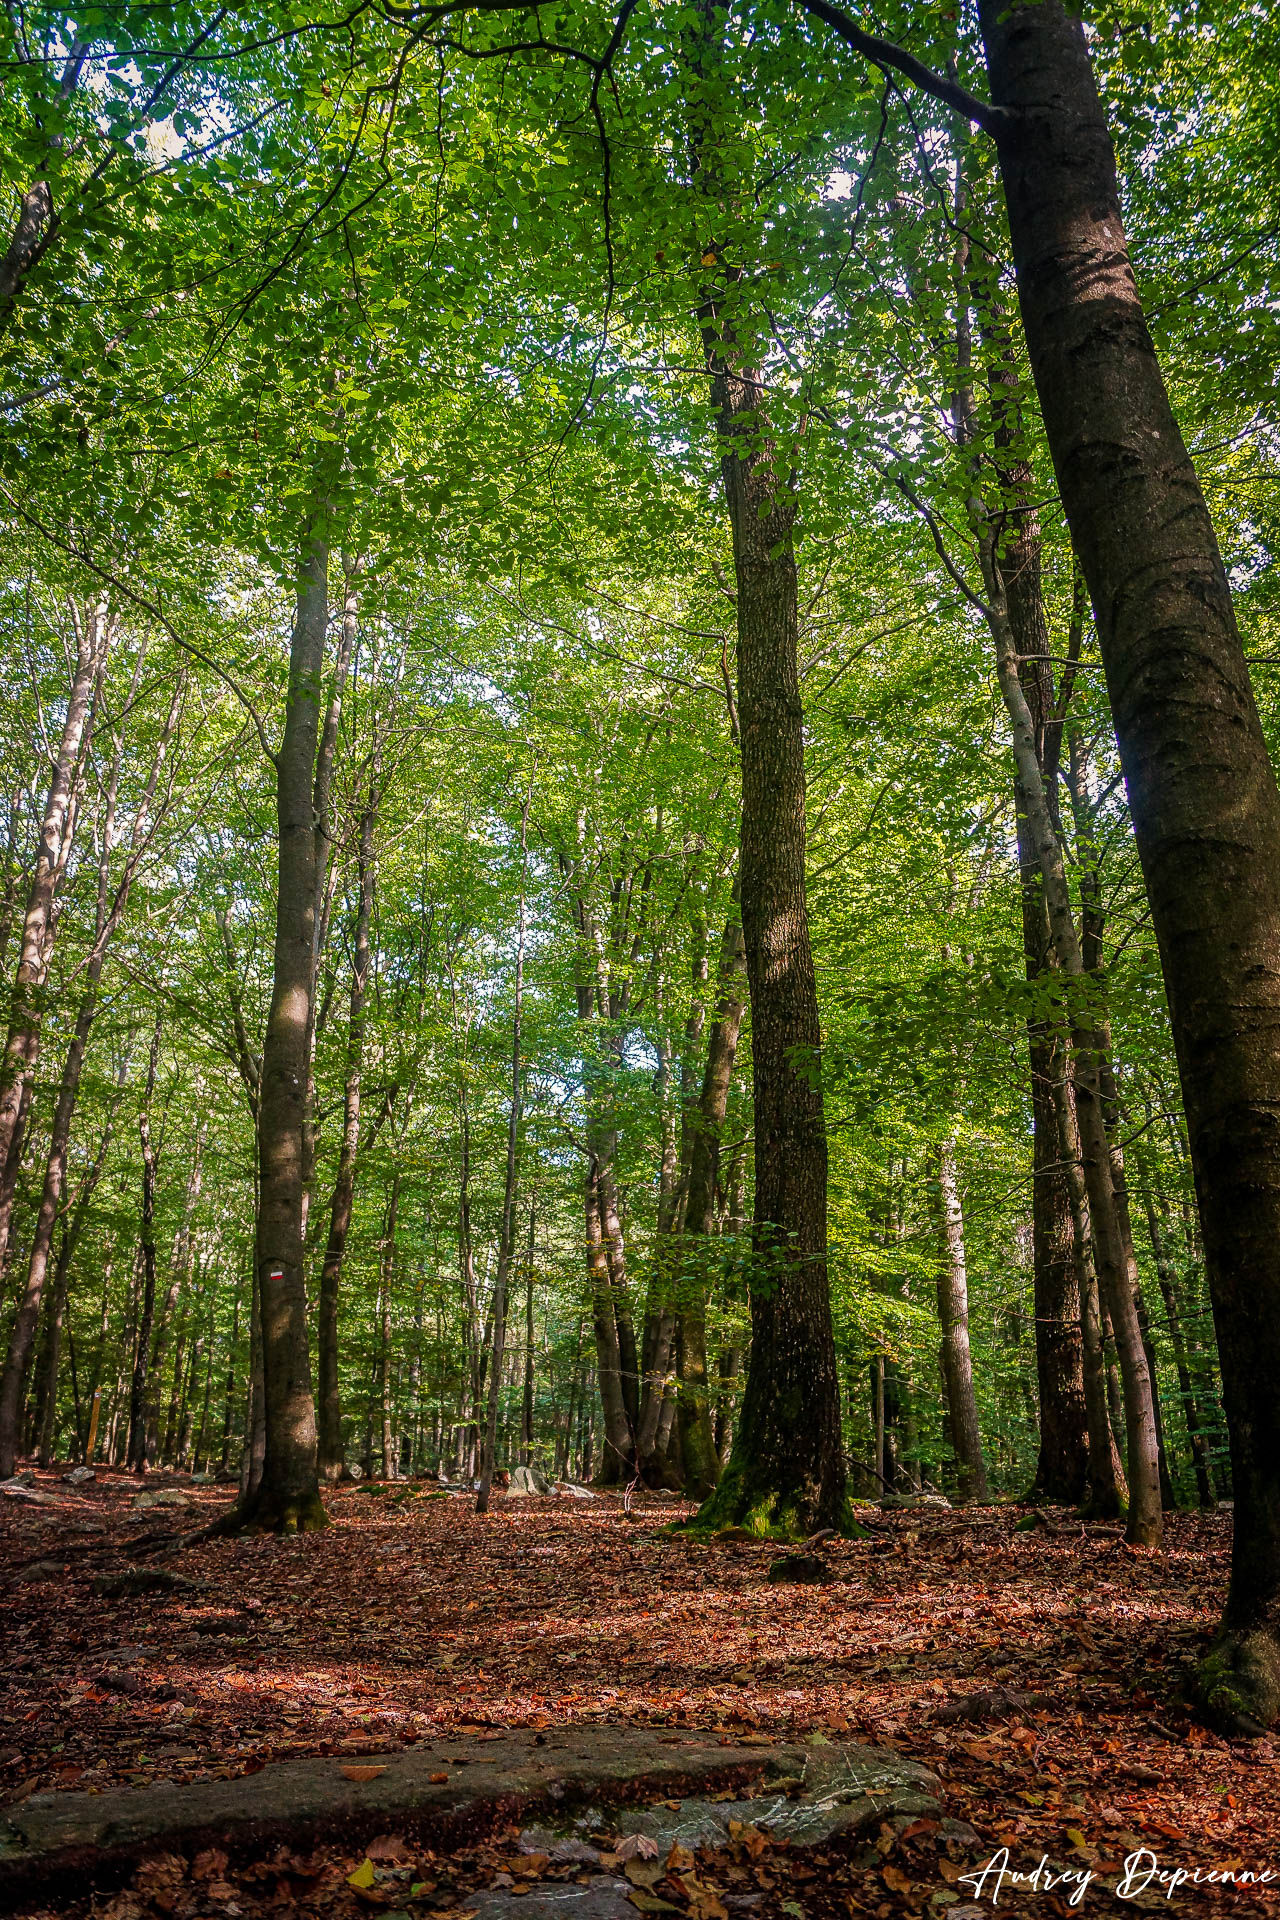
[(1039, 1674)]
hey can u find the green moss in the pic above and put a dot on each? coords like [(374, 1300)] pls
[(1237, 1684)]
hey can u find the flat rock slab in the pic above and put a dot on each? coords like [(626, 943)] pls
[(603, 1898), (454, 1790)]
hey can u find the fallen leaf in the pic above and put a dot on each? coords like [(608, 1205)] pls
[(363, 1876), (392, 1849), (637, 1846), (361, 1774)]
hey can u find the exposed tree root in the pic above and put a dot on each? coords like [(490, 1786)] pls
[(266, 1512)]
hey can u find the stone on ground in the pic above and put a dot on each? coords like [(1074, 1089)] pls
[(578, 1783)]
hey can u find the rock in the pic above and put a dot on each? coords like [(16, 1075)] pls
[(801, 1792), (23, 1487), (42, 1570), (569, 1490), (160, 1497), (527, 1481), (79, 1476), (603, 1898), (557, 1846), (893, 1502), (840, 1790), (802, 1569), (115, 1586)]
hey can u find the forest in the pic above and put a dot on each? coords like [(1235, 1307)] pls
[(640, 882)]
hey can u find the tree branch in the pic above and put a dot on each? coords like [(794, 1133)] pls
[(885, 54)]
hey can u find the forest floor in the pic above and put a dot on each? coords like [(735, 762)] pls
[(410, 1616)]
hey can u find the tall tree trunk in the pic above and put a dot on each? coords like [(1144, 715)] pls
[(109, 910), (786, 1470), (1062, 1464), (287, 1498), (507, 1230), (179, 1275), (136, 1449), (229, 1392), (1106, 1491), (72, 1229), (527, 1411), (332, 1462), (953, 1318), (1186, 1385), (387, 1446), (662, 1313), (619, 1441), (1203, 795), (322, 811), (26, 1007), (701, 1462), (45, 1413)]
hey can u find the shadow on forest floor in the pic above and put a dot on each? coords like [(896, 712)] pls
[(410, 1617)]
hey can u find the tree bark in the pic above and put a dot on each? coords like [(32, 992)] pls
[(507, 1230), (109, 910), (287, 1498), (1203, 795), (26, 1007), (136, 1446), (1186, 1385), (387, 1446), (527, 1410), (331, 1457), (953, 1318), (701, 1462), (1106, 1491), (786, 1470)]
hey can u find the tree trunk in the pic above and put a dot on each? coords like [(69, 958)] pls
[(1186, 1385), (1062, 1464), (331, 1458), (618, 1438), (786, 1470), (26, 1006), (526, 1423), (287, 1499), (953, 1318), (136, 1449), (507, 1231), (701, 1462), (384, 1331), (322, 811), (180, 1274), (1106, 1494), (1203, 796)]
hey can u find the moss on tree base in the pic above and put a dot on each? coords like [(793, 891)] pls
[(771, 1512), (268, 1512), (1237, 1684)]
